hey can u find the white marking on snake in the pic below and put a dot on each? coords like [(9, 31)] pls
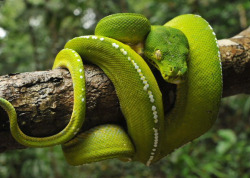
[(151, 97), (152, 100)]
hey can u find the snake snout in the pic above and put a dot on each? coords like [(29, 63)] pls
[(171, 71), (174, 75)]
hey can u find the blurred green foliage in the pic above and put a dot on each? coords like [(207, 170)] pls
[(33, 31)]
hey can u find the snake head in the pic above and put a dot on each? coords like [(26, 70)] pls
[(167, 49)]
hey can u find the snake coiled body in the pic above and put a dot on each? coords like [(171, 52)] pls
[(188, 55), (69, 59), (131, 77), (198, 98)]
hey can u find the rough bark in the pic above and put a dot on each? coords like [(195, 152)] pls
[(44, 99), (235, 53)]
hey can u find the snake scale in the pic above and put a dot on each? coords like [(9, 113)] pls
[(184, 50)]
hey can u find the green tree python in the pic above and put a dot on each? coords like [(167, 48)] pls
[(184, 50)]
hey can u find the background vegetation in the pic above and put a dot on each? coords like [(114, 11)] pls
[(33, 31)]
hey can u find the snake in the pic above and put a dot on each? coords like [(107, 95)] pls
[(184, 50)]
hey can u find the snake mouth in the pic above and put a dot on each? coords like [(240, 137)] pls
[(173, 79), (174, 75)]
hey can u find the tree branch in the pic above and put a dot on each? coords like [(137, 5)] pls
[(235, 53), (44, 99)]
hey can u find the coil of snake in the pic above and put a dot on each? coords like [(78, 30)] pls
[(186, 52)]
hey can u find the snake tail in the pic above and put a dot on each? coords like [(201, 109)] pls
[(138, 92), (67, 59)]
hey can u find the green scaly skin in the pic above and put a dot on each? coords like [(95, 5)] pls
[(99, 143), (140, 101), (199, 90), (72, 61), (167, 49), (118, 26), (198, 98), (149, 137)]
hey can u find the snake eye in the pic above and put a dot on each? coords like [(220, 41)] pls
[(158, 54)]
